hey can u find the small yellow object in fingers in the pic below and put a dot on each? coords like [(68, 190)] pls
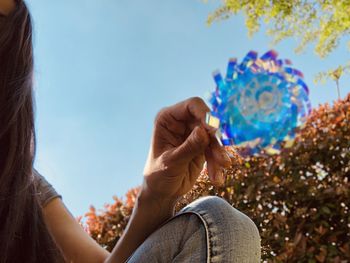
[(212, 120)]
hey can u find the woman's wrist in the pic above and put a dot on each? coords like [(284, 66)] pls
[(148, 215), (155, 206)]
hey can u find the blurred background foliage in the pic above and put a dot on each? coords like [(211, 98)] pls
[(299, 198), (322, 23)]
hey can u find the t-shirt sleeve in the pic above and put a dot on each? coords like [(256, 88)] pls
[(45, 190)]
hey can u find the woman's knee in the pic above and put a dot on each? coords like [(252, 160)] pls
[(230, 231)]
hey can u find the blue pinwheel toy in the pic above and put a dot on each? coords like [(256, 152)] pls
[(259, 103)]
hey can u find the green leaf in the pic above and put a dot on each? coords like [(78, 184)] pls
[(326, 210)]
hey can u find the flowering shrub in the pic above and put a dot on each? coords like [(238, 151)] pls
[(107, 226), (299, 199)]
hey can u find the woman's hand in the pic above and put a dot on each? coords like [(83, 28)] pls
[(181, 143)]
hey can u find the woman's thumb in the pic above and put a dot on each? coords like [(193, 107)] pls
[(194, 145)]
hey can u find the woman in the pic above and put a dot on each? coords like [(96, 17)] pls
[(35, 226)]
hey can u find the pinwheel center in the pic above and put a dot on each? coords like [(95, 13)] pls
[(266, 101)]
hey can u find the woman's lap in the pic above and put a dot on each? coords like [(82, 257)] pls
[(207, 230)]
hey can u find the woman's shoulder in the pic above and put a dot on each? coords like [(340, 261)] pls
[(45, 191)]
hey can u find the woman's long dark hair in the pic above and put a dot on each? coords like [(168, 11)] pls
[(24, 236)]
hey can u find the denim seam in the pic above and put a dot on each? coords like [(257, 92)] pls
[(206, 230), (206, 227)]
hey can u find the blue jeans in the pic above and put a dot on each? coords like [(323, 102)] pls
[(207, 230)]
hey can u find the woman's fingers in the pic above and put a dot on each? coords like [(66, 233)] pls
[(219, 153), (214, 171), (213, 168), (217, 159), (188, 118), (191, 111), (196, 166), (195, 145)]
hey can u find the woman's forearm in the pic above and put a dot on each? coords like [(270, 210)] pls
[(147, 216)]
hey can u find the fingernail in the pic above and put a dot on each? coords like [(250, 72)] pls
[(231, 155), (218, 176), (223, 179)]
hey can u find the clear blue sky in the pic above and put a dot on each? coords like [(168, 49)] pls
[(103, 70)]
